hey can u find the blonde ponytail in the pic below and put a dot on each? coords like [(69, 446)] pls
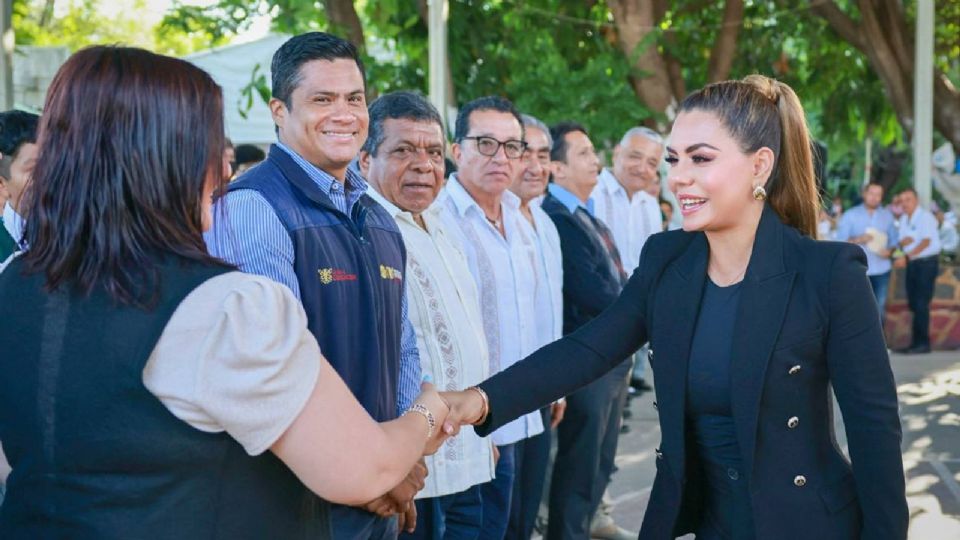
[(763, 112)]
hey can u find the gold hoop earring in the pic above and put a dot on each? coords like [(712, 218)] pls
[(759, 193)]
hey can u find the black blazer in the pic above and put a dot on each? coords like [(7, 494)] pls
[(807, 320), (590, 280)]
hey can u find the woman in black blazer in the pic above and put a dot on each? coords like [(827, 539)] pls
[(750, 321)]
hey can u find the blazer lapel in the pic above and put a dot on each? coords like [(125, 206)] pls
[(676, 307), (763, 304)]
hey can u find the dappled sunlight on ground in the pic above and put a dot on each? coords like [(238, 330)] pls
[(930, 410)]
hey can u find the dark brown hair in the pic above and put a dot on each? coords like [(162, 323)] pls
[(762, 112), (127, 140)]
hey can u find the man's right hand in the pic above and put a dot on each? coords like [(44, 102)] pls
[(398, 499)]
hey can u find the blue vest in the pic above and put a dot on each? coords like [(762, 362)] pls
[(349, 272), (95, 455)]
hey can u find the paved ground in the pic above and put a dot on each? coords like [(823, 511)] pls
[(929, 391)]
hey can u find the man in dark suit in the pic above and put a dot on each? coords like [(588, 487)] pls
[(592, 279)]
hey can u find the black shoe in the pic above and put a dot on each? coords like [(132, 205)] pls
[(917, 349), (640, 385)]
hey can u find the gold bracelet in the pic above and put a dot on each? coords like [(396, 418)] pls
[(419, 408), (486, 405)]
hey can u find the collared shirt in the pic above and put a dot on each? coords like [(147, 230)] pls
[(256, 241), (445, 312), (550, 278), (631, 219), (505, 270), (13, 222), (570, 200), (856, 221), (920, 226)]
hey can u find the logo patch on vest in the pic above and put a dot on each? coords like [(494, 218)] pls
[(330, 275), (390, 273)]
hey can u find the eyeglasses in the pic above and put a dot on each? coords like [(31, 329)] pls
[(488, 146)]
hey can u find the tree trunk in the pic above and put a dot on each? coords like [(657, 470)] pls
[(882, 36), (946, 109), (658, 77), (46, 16), (343, 17), (635, 21), (725, 47)]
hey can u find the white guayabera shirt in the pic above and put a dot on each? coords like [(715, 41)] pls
[(444, 308), (505, 270)]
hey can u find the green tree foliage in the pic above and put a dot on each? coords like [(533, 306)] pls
[(560, 59), (79, 23)]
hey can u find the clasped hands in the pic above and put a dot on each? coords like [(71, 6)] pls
[(450, 411), (467, 408)]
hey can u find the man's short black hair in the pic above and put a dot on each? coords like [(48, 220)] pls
[(397, 105), (558, 152), (298, 50), (486, 103), (16, 129)]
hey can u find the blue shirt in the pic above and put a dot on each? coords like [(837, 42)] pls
[(570, 200), (247, 232), (855, 222)]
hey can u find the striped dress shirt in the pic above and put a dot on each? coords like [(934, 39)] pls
[(268, 251)]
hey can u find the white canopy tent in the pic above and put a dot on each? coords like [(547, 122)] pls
[(232, 67)]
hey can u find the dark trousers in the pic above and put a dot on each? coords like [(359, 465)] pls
[(451, 517), (349, 523), (921, 276), (532, 457), (495, 496), (586, 447)]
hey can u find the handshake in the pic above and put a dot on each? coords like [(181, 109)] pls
[(451, 411)]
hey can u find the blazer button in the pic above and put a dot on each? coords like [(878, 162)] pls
[(800, 480), (794, 370), (655, 406), (793, 422)]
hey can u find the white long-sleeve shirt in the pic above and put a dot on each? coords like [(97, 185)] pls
[(631, 219), (505, 270)]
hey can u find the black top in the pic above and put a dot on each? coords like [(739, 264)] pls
[(7, 244), (708, 379), (807, 321), (96, 455), (710, 416)]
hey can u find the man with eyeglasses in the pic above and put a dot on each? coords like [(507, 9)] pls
[(502, 255), (593, 276)]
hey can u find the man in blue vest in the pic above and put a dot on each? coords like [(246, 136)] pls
[(304, 219)]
